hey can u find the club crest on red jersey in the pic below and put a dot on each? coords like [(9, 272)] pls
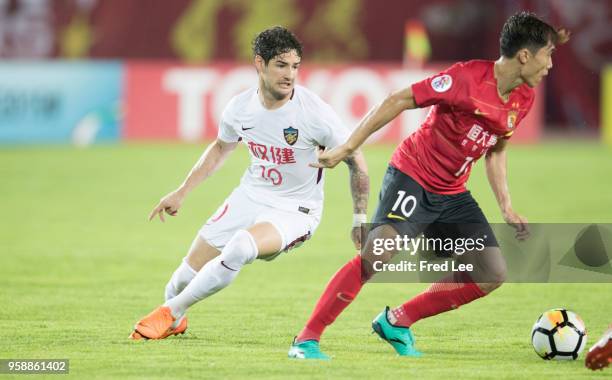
[(442, 83), (512, 116), (291, 135)]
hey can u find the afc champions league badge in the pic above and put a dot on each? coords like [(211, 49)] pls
[(291, 135), (442, 83)]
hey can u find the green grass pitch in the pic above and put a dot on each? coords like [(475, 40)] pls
[(80, 264)]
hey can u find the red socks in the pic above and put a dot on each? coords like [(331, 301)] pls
[(444, 295), (339, 293)]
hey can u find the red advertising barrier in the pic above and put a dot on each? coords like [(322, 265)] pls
[(179, 102)]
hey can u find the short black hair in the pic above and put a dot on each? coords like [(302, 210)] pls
[(525, 30), (275, 41)]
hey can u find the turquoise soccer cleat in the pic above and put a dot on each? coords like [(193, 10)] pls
[(399, 337), (308, 349)]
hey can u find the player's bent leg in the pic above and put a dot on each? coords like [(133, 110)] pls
[(453, 291), (214, 276), (341, 290), (199, 254), (489, 268), (217, 273), (457, 289), (267, 239), (399, 337)]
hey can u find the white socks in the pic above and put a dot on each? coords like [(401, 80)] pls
[(179, 280), (216, 274)]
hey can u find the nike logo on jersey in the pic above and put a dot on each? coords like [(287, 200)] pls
[(478, 112), (393, 216), (246, 129)]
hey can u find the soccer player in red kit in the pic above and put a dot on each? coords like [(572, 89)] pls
[(476, 107)]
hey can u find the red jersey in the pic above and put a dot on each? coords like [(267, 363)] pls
[(467, 118)]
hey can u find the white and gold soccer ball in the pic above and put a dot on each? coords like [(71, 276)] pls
[(559, 334)]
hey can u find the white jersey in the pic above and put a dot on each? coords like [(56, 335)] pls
[(281, 143)]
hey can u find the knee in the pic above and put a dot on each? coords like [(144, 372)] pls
[(240, 250), (498, 272), (494, 279), (491, 271), (488, 287)]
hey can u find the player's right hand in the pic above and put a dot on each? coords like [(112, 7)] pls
[(519, 223), (332, 157), (169, 204)]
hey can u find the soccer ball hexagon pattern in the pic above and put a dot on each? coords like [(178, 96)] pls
[(559, 334)]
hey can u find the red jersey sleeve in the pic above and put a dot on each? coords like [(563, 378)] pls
[(447, 87)]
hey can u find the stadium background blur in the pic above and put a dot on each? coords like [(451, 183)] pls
[(105, 105)]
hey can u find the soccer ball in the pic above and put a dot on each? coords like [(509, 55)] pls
[(559, 334)]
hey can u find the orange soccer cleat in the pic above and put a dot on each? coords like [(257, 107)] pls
[(600, 355), (180, 329), (156, 325)]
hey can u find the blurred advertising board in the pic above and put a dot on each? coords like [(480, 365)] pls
[(180, 102), (60, 102)]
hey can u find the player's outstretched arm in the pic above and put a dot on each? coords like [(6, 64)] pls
[(210, 161), (375, 119), (496, 173), (360, 190)]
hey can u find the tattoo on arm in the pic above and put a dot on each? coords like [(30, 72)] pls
[(360, 186)]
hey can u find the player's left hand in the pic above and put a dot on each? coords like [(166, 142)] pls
[(332, 157), (356, 236), (170, 204), (519, 223)]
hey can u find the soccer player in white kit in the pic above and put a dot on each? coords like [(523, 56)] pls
[(279, 201)]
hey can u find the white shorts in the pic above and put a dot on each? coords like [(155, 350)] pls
[(238, 212)]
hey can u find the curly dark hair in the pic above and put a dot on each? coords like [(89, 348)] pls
[(526, 30), (275, 41)]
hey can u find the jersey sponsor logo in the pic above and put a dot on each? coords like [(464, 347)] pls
[(280, 156), (512, 116), (291, 135), (442, 83), (479, 138), (246, 129)]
